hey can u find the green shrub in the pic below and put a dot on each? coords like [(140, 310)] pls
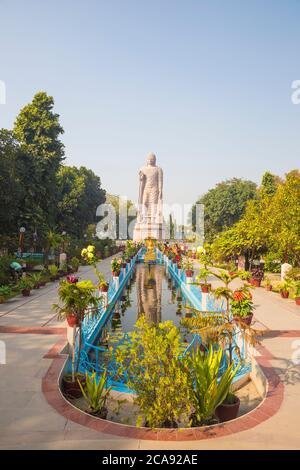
[(293, 274), (75, 263), (272, 263), (208, 391), (95, 392), (151, 360), (5, 272)]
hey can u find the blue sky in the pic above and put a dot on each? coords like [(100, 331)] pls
[(206, 85)]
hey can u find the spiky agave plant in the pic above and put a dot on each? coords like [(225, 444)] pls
[(95, 392), (209, 389)]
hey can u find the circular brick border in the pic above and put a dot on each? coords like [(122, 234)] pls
[(267, 408)]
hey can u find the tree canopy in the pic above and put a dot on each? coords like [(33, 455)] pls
[(224, 205), (37, 190), (270, 224)]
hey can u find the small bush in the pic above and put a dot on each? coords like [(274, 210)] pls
[(5, 272), (272, 263)]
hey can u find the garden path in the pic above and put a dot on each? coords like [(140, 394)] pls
[(29, 330)]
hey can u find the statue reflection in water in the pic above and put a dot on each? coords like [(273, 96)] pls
[(149, 291)]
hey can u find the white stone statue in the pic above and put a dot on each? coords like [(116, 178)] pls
[(150, 216)]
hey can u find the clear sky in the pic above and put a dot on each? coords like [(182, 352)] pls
[(206, 85)]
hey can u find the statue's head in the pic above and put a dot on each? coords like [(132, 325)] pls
[(151, 159)]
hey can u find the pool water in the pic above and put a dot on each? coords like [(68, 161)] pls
[(150, 292)]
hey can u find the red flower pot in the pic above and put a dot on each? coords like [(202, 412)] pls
[(26, 292), (284, 294), (269, 288), (205, 288), (297, 300), (247, 320), (72, 320), (255, 282), (115, 274), (72, 389), (189, 273), (103, 289), (226, 412)]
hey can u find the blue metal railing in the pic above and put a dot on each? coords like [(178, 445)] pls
[(98, 358)]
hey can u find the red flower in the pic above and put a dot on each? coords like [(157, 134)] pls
[(238, 295), (72, 279)]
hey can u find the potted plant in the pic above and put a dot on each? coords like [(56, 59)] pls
[(5, 292), (284, 288), (188, 267), (103, 285), (116, 266), (25, 285), (44, 278), (229, 408), (244, 276), (297, 292), (221, 329), (95, 392), (77, 300), (53, 270), (36, 280), (210, 391), (268, 285), (242, 305), (75, 264), (203, 274), (256, 277)]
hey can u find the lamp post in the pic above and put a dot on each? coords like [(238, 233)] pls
[(21, 239), (63, 240)]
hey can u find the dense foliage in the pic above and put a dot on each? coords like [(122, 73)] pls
[(224, 205), (270, 224), (42, 194)]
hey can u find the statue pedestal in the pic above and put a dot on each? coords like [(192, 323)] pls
[(153, 230)]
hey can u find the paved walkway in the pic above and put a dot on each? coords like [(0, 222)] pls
[(30, 330)]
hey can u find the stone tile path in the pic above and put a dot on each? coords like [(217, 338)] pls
[(30, 331)]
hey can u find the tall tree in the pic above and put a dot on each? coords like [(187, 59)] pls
[(10, 187), (224, 205), (38, 130), (79, 195)]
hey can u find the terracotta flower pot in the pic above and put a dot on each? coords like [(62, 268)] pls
[(189, 273), (72, 321), (115, 274), (247, 320), (226, 412), (255, 282), (103, 289), (297, 300), (100, 414), (284, 294), (72, 389), (26, 292), (269, 288), (205, 288)]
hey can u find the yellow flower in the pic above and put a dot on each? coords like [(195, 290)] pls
[(90, 256), (91, 249), (84, 252)]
